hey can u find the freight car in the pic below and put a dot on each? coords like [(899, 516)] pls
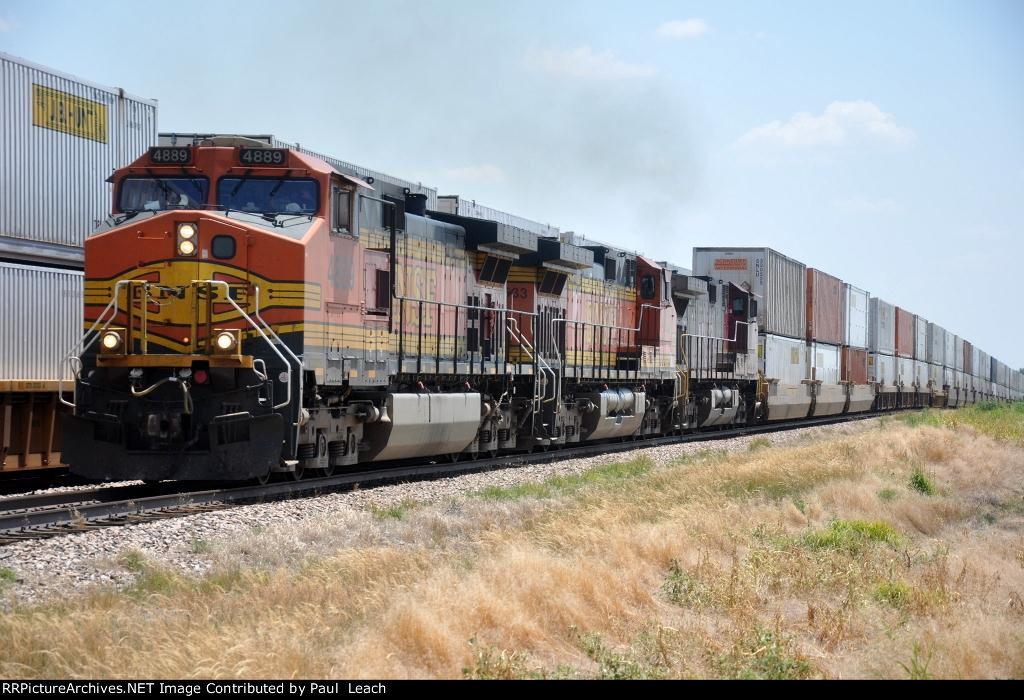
[(253, 309)]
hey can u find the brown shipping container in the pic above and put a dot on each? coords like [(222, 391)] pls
[(904, 333), (968, 358), (854, 366), (824, 307)]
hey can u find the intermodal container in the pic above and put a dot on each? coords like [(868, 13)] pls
[(824, 307), (854, 365), (904, 333), (855, 317), (60, 139), (785, 359), (882, 327), (958, 353), (882, 370), (41, 321), (968, 359), (920, 338), (778, 283), (824, 363)]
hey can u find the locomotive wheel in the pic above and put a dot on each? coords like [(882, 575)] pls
[(327, 471), (492, 453), (299, 472), (264, 479), (454, 456)]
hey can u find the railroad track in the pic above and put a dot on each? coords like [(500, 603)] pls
[(53, 514)]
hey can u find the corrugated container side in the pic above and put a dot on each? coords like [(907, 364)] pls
[(968, 358), (905, 372), (936, 344), (947, 376), (785, 359), (958, 353), (975, 360), (882, 369), (824, 307), (777, 281), (854, 365), (882, 325), (855, 317), (921, 374), (824, 363), (948, 350), (935, 376), (904, 329), (41, 321), (920, 338), (60, 138)]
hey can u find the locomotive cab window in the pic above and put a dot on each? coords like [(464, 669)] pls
[(269, 195), (647, 288), (223, 247), (341, 210), (162, 193)]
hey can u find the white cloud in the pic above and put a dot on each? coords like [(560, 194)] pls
[(585, 63), (7, 24), (692, 28), (840, 124), (485, 172)]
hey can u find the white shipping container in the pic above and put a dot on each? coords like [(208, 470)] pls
[(41, 320), (935, 376), (824, 363), (882, 369), (921, 374), (920, 338), (905, 373), (778, 282), (61, 137), (936, 344), (975, 360), (882, 327), (785, 359), (856, 317), (958, 353), (947, 377), (949, 350)]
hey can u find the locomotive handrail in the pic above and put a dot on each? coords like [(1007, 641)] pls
[(82, 345), (227, 295)]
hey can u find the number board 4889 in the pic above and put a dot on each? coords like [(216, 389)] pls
[(263, 156)]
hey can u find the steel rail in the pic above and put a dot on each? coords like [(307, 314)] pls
[(74, 515)]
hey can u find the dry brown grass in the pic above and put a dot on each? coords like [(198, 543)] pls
[(814, 561)]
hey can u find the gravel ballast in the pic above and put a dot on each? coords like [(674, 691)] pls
[(37, 570)]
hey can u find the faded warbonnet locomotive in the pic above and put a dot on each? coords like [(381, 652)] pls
[(252, 309)]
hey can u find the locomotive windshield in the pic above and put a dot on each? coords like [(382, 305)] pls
[(269, 195), (159, 193)]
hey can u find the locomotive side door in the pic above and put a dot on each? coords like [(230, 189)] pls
[(377, 307)]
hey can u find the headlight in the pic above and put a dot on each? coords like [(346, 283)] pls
[(225, 342), (186, 231), (186, 247), (112, 341)]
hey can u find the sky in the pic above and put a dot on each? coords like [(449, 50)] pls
[(880, 142)]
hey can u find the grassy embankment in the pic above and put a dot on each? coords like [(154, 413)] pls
[(896, 551)]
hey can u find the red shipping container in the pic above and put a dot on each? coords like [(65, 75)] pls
[(904, 333), (968, 358), (853, 366), (824, 307)]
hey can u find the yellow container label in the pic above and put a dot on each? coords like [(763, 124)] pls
[(60, 111)]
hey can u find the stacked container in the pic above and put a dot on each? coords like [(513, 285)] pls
[(856, 315), (904, 333), (777, 282), (825, 333), (882, 360)]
